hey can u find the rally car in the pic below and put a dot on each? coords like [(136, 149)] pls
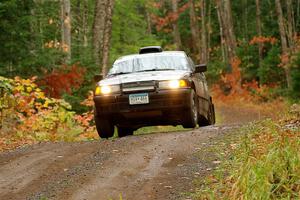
[(153, 87)]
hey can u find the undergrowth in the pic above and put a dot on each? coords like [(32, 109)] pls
[(27, 116), (265, 164)]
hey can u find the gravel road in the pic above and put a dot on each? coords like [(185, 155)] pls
[(155, 166)]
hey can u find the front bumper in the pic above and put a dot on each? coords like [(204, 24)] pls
[(163, 103)]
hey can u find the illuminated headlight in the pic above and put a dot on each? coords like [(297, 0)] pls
[(173, 84), (107, 89)]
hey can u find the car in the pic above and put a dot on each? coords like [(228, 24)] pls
[(153, 87)]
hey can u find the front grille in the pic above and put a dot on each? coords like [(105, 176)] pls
[(138, 86)]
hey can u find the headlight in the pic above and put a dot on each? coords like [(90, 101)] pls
[(173, 84), (107, 89)]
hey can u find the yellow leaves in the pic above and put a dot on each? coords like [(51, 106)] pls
[(39, 118), (50, 21), (89, 102), (52, 44)]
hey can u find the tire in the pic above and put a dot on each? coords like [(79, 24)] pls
[(210, 119), (104, 127), (211, 114), (124, 131), (191, 116)]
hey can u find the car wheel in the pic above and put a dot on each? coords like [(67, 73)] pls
[(211, 114), (124, 131), (104, 127), (191, 116)]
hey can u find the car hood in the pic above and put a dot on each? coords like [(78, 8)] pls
[(145, 76)]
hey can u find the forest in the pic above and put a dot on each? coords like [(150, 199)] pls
[(52, 49), (247, 43)]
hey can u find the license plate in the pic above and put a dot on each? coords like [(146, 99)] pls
[(137, 99)]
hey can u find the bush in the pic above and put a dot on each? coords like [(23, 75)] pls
[(26, 113)]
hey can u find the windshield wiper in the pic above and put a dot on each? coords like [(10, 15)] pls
[(152, 70)]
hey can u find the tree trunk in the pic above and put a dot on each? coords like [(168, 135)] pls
[(230, 31), (204, 50), (149, 23), (226, 28), (209, 30), (194, 30), (176, 33), (222, 35), (107, 36), (259, 30), (290, 24), (298, 13), (66, 28), (284, 41), (85, 23), (98, 30)]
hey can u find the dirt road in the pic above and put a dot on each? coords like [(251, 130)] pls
[(156, 166)]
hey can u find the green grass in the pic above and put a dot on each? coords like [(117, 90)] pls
[(263, 163), (159, 129)]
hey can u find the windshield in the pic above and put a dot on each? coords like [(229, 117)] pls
[(150, 62)]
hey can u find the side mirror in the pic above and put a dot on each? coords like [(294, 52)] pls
[(98, 78), (201, 68)]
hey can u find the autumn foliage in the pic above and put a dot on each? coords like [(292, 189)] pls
[(28, 116), (263, 40), (162, 23), (62, 80)]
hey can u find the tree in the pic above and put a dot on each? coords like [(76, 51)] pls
[(98, 30), (259, 30), (204, 42), (66, 28), (176, 33), (107, 36), (102, 29), (194, 29), (226, 27), (284, 40)]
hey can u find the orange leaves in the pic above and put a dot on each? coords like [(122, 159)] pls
[(34, 117), (232, 81), (163, 23), (287, 58), (232, 89), (89, 102), (63, 80), (262, 40)]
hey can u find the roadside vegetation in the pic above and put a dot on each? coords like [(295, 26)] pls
[(28, 116), (260, 161), (49, 57)]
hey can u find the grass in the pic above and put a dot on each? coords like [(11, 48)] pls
[(158, 129), (263, 163)]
